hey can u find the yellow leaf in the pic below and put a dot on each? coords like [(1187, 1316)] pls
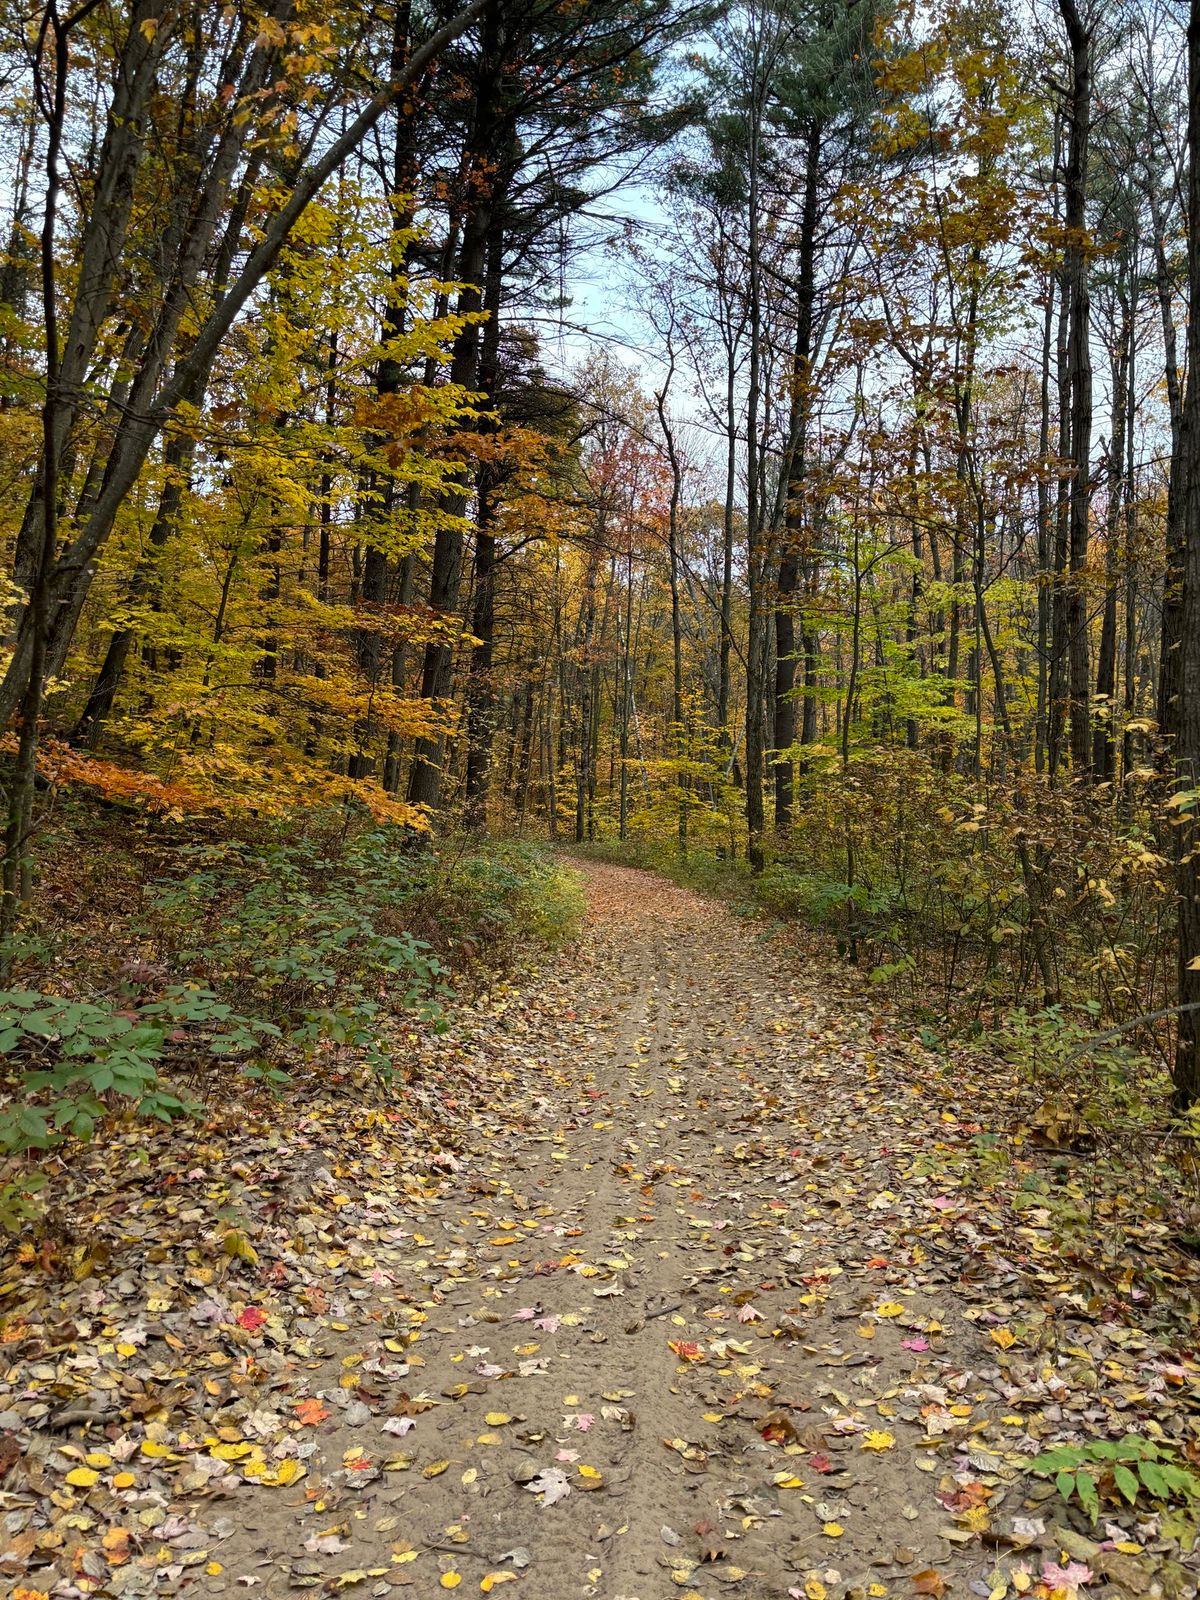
[(489, 1581), (434, 1469), (1004, 1337), (290, 1471), (82, 1477), (833, 1530), (878, 1439), (237, 1245), (497, 1419), (450, 1580), (815, 1589), (124, 1480), (890, 1309), (470, 1475)]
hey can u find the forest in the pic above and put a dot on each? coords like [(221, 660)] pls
[(600, 616)]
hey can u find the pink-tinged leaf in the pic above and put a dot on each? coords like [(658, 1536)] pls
[(567, 1455), (325, 1544), (1073, 1576), (547, 1324), (581, 1420), (749, 1314), (526, 1314), (915, 1344)]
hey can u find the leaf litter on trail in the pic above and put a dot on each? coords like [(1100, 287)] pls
[(328, 1341)]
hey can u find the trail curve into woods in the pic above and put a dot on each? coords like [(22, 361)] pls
[(691, 1295)]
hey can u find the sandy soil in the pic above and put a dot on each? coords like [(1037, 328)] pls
[(670, 1329)]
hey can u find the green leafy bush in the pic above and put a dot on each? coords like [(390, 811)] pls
[(512, 891), (1133, 1469), (823, 900), (73, 1055), (312, 945), (325, 942), (259, 952)]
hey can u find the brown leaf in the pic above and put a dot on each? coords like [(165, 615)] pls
[(929, 1582)]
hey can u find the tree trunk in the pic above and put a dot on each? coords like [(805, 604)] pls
[(483, 615), (1172, 600), (586, 680), (1079, 383), (445, 580), (757, 555), (795, 516), (1185, 482), (1104, 743), (677, 707)]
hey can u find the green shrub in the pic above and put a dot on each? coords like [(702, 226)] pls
[(1133, 1469), (73, 1055), (314, 945), (279, 942)]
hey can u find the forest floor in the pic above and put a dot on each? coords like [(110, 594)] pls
[(672, 1274)]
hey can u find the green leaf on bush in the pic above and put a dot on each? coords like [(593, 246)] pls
[(1126, 1482)]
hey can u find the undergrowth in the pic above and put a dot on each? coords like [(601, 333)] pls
[(913, 876), (244, 958)]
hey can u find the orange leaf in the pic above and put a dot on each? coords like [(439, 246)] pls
[(311, 1411)]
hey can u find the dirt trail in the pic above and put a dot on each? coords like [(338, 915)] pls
[(684, 1284), (694, 1298)]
